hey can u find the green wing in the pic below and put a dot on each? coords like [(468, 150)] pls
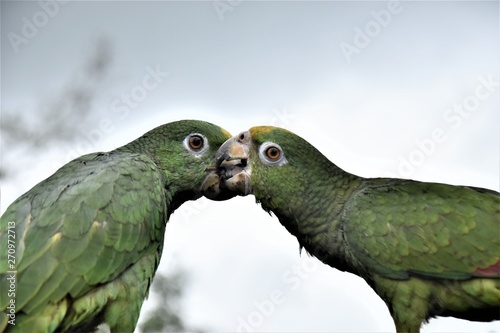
[(400, 227), (78, 230)]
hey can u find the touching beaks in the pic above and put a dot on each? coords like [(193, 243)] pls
[(231, 165), (231, 174), (232, 156), (232, 150), (214, 189)]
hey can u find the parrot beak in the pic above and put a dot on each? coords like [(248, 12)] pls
[(212, 189), (232, 164), (231, 174)]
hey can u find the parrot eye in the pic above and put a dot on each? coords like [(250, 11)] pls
[(196, 143), (271, 154)]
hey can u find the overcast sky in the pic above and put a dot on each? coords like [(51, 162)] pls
[(402, 89)]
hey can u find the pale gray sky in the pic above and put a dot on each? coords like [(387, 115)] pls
[(407, 89)]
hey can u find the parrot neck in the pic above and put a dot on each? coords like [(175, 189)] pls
[(177, 190), (314, 215)]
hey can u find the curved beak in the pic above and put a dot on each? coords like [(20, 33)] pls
[(231, 174)]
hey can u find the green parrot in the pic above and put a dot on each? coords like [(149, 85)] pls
[(427, 249), (81, 248)]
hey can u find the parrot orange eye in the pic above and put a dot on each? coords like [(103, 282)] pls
[(196, 142), (273, 153)]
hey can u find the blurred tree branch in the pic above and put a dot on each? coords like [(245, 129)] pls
[(166, 316), (51, 125)]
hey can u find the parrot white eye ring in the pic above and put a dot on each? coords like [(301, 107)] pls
[(196, 143), (271, 154)]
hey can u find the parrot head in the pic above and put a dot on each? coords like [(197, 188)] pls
[(184, 150)]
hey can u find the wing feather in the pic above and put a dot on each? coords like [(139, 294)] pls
[(81, 227), (400, 228)]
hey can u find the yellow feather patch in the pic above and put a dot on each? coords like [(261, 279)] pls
[(56, 238), (226, 133), (257, 130)]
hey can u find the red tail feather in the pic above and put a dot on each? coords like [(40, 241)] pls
[(489, 271)]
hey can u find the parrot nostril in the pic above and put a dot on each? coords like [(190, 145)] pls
[(242, 136)]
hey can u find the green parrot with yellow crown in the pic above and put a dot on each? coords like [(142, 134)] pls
[(426, 249)]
